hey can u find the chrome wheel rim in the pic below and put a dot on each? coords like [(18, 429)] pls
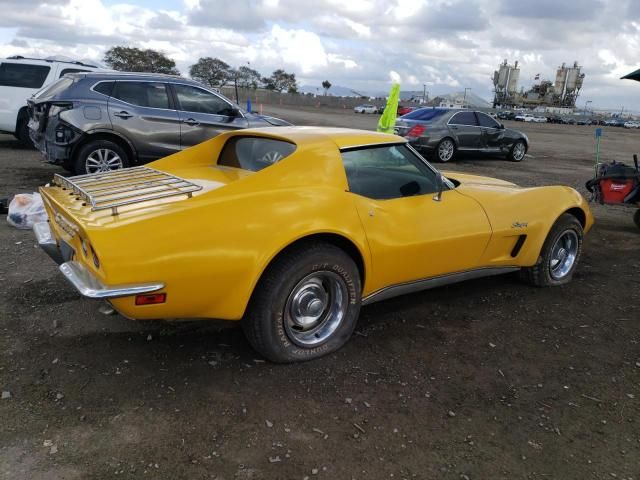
[(518, 151), (102, 160), (445, 150), (563, 255), (315, 308)]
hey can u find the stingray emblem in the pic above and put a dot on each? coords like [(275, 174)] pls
[(519, 224)]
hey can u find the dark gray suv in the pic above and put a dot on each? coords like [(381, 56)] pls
[(95, 122)]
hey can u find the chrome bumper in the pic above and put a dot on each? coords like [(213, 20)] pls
[(89, 286), (47, 242), (80, 277)]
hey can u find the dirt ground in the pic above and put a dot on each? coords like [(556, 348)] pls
[(488, 379)]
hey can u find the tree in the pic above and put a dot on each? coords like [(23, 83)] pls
[(281, 81), (212, 71), (248, 77), (129, 59), (326, 85)]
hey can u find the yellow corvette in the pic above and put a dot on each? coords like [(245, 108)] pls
[(292, 229)]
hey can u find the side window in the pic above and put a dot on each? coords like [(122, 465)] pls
[(197, 100), (105, 88), (487, 121), (254, 153), (71, 70), (387, 172), (464, 118), (142, 94), (23, 75)]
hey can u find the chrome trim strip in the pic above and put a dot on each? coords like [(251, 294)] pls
[(433, 282), (47, 242), (89, 286)]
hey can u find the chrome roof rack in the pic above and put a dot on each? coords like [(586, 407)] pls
[(110, 190)]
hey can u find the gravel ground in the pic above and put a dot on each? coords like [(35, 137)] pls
[(487, 379)]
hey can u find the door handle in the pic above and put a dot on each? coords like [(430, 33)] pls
[(191, 121), (122, 114)]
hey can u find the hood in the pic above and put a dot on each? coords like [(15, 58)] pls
[(255, 118), (468, 180)]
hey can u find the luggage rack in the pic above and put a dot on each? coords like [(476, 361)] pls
[(110, 190)]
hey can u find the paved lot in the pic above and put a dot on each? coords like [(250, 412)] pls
[(483, 380)]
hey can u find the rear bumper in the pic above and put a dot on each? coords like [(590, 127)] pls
[(79, 276), (90, 286)]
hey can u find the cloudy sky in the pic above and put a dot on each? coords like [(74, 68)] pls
[(362, 44)]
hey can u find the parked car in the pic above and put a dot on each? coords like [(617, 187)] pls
[(402, 110), (615, 122), (95, 122), (524, 117), (631, 124), (365, 109), (539, 119), (441, 133), (22, 77), (292, 229), (506, 115)]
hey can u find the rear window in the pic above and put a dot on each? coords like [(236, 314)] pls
[(143, 94), (254, 153), (105, 88), (425, 114), (55, 88), (25, 76)]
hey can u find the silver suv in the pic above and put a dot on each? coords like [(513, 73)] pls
[(92, 122)]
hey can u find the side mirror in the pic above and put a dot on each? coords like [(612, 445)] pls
[(502, 126), (440, 186)]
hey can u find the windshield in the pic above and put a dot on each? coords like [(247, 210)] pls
[(425, 114)]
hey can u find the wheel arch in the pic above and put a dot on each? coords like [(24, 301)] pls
[(580, 215), (123, 142), (336, 239)]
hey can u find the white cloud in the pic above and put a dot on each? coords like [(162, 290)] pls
[(361, 44)]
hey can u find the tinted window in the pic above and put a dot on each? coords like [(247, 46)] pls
[(254, 153), (464, 118), (425, 114), (487, 121), (193, 99), (104, 88), (71, 70), (55, 88), (387, 172), (143, 94), (26, 76)]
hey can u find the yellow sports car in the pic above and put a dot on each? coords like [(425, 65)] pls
[(292, 229)]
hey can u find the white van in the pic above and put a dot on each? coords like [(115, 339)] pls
[(20, 78)]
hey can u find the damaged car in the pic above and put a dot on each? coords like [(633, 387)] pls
[(97, 122)]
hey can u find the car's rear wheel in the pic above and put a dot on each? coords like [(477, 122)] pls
[(22, 131), (100, 156), (636, 218), (518, 151), (306, 305), (446, 150), (559, 255)]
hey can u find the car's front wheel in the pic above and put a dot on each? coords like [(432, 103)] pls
[(559, 255), (100, 156), (306, 305), (446, 150), (517, 152)]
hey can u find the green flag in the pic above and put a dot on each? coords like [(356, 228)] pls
[(388, 118)]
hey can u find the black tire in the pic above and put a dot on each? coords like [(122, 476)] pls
[(636, 218), (516, 155), (22, 130), (267, 322), (91, 148), (440, 156), (542, 273)]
